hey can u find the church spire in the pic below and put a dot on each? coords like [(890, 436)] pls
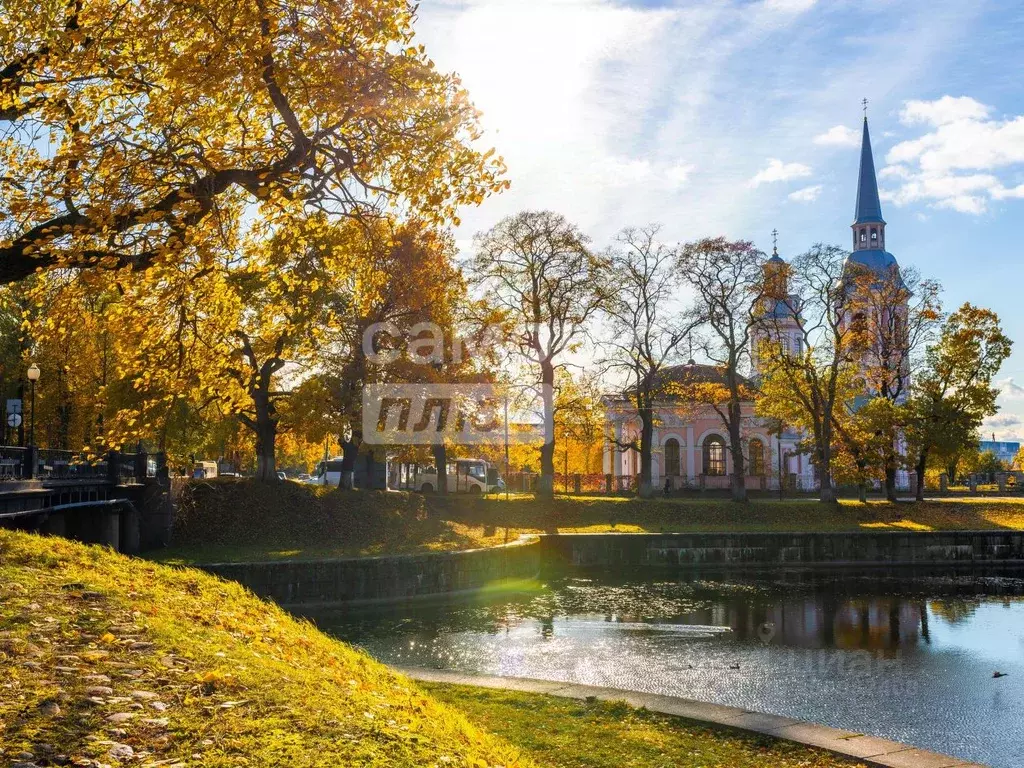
[(869, 207), (868, 224)]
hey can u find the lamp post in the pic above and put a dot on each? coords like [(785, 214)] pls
[(33, 377)]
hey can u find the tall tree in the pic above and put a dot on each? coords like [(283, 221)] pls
[(538, 269), (288, 297), (727, 279), (807, 353), (953, 394), (644, 333), (162, 116), (898, 313)]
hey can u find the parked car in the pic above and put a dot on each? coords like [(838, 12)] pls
[(281, 475)]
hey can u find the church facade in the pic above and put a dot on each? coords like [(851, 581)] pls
[(690, 442)]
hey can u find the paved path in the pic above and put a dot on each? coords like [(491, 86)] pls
[(867, 749)]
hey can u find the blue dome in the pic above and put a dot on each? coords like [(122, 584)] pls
[(874, 259)]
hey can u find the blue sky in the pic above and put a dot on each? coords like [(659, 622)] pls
[(735, 118)]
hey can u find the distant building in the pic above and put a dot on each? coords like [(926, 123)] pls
[(690, 446), (1005, 452)]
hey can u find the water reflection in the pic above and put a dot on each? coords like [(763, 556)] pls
[(905, 655)]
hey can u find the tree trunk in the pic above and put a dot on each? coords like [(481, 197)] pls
[(646, 488), (546, 484), (440, 451), (890, 480), (922, 462), (266, 437), (826, 491), (739, 481)]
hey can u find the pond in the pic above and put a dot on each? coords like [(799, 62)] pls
[(906, 657)]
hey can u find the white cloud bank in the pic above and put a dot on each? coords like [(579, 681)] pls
[(838, 136), (958, 163), (807, 194), (776, 170)]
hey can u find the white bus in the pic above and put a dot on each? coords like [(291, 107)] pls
[(464, 476), (327, 472)]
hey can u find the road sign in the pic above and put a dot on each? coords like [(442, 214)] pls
[(14, 405), (14, 420)]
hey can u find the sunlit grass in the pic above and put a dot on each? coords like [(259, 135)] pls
[(234, 522), (567, 733), (196, 671)]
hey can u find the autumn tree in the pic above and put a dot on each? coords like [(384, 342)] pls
[(285, 285), (953, 393), (537, 268), (897, 313), (727, 279), (131, 129), (644, 332), (807, 356)]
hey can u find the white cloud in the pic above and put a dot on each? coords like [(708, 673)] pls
[(776, 170), (1009, 389), (943, 111), (955, 164), (789, 6), (807, 194), (838, 136), (678, 175)]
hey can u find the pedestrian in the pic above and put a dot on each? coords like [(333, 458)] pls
[(668, 487)]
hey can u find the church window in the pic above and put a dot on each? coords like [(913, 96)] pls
[(874, 236), (672, 457), (714, 456), (863, 236), (756, 458)]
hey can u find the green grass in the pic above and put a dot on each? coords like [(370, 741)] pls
[(100, 653), (568, 733), (108, 660), (239, 520)]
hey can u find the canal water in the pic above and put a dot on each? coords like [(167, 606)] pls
[(906, 657)]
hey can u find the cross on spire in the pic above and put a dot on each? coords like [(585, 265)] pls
[(775, 242), (864, 104)]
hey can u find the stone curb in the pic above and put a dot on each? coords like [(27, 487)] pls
[(864, 748)]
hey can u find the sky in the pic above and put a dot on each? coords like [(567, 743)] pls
[(737, 117)]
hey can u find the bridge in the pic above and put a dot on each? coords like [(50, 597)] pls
[(121, 500)]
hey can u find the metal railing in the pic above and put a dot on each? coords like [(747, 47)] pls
[(52, 464), (12, 462)]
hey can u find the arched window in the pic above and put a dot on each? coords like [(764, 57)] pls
[(714, 456), (672, 457), (756, 458), (874, 236)]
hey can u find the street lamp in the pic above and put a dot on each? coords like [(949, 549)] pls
[(33, 376)]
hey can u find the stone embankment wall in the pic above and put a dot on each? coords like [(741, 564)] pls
[(382, 579), (731, 550)]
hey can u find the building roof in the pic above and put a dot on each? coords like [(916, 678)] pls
[(869, 207), (874, 259), (690, 373)]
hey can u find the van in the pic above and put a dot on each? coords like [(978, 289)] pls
[(204, 470), (327, 472)]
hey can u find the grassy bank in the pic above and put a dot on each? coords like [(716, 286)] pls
[(595, 734), (113, 660), (236, 521), (106, 660)]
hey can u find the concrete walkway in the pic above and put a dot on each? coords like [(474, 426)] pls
[(858, 746)]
